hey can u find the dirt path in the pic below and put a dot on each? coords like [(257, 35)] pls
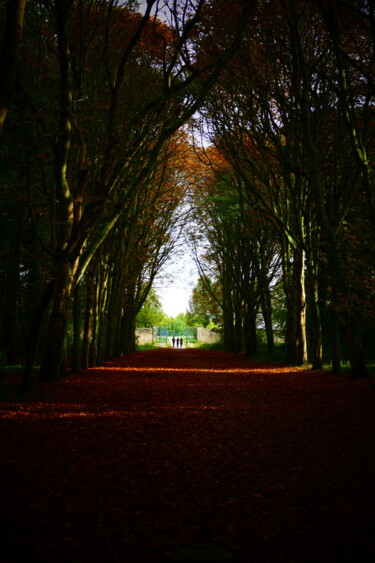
[(125, 463)]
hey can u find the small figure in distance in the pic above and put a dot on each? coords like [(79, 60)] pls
[(181, 342), (173, 341), (178, 342)]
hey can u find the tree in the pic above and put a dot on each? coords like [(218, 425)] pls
[(151, 313), (203, 309), (10, 45), (276, 117), (96, 112), (235, 253)]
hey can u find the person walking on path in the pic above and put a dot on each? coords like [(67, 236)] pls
[(173, 341)]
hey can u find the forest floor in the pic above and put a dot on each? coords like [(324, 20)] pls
[(128, 462)]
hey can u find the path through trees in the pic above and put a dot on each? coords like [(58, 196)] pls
[(127, 461)]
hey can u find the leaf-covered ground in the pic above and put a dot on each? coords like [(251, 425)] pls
[(127, 462)]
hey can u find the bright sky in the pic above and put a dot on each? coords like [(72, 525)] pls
[(175, 287)]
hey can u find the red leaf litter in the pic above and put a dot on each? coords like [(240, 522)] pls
[(130, 461)]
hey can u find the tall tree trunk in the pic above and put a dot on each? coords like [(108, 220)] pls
[(356, 348), (87, 325), (34, 335), (112, 316), (9, 53), (228, 320), (250, 332), (290, 299), (77, 344), (93, 357), (238, 319), (9, 305), (338, 278), (335, 342), (356, 351), (54, 356), (266, 307), (299, 277), (128, 334), (317, 343)]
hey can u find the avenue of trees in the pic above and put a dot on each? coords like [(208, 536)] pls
[(91, 168), (99, 103), (290, 196)]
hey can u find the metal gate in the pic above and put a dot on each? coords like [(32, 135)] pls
[(189, 334), (162, 335)]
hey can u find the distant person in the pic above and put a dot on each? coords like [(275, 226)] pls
[(181, 342), (178, 342), (173, 341)]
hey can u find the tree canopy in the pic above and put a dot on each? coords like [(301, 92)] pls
[(246, 127)]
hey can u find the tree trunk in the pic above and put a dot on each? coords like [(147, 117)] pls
[(340, 291), (228, 321), (9, 305), (250, 332), (238, 318), (34, 335), (54, 356), (76, 345), (93, 356), (128, 334), (356, 348), (112, 316), (317, 343), (103, 316), (266, 307), (290, 298), (87, 325), (9, 53), (299, 277), (335, 343)]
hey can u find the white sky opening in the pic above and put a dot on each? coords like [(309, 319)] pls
[(174, 286)]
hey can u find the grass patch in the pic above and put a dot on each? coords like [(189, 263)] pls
[(262, 355), (206, 346), (144, 347)]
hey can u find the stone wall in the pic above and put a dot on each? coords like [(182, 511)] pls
[(144, 336), (149, 335), (207, 336)]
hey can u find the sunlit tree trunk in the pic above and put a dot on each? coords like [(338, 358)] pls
[(290, 299), (102, 314), (299, 276)]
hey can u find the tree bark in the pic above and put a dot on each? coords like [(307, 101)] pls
[(10, 299), (317, 339), (77, 344), (54, 361), (335, 342), (9, 54), (87, 325), (299, 277), (290, 298), (250, 332)]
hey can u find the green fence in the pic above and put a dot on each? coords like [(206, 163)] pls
[(189, 334)]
